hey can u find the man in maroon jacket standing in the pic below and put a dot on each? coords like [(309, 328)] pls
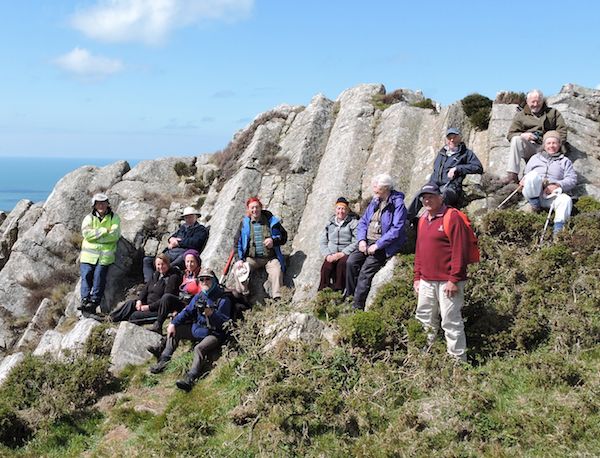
[(441, 259)]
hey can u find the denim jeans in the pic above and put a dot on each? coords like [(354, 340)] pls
[(93, 281)]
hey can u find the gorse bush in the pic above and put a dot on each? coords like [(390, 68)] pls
[(477, 107)]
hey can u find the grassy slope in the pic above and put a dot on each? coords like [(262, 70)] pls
[(532, 388)]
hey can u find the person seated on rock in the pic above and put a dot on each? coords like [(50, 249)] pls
[(452, 163), (527, 130), (260, 237), (101, 230), (189, 287), (338, 241), (190, 235), (549, 175), (164, 281), (380, 234), (204, 321)]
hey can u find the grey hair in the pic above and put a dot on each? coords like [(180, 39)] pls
[(536, 91), (383, 180)]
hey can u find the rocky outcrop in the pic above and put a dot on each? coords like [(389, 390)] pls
[(298, 160)]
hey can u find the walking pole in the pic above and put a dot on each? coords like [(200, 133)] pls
[(508, 198), (227, 267), (547, 221)]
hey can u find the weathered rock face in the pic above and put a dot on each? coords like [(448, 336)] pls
[(130, 345), (298, 160)]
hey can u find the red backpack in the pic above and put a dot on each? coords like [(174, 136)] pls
[(473, 247)]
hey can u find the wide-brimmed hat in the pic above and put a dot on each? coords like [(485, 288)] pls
[(206, 272), (189, 211), (242, 272)]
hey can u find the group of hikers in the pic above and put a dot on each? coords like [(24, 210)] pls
[(353, 248)]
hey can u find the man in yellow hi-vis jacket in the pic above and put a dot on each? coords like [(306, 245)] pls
[(101, 230)]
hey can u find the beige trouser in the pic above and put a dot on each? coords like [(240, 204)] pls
[(520, 148), (273, 268), (432, 304)]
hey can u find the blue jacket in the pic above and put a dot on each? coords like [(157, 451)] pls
[(393, 223), (465, 161), (201, 325), (243, 242)]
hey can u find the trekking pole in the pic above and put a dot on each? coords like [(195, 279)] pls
[(227, 267), (546, 224), (508, 198)]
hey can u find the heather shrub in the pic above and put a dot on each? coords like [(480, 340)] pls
[(425, 103), (384, 101), (510, 97)]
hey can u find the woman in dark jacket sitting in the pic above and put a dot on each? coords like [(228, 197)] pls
[(202, 321), (164, 281), (189, 287)]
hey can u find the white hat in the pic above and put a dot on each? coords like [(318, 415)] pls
[(190, 211), (99, 197), (242, 272)]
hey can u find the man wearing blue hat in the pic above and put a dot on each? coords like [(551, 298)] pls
[(452, 163)]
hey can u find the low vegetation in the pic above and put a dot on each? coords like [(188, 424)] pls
[(510, 97), (384, 101), (477, 107), (531, 387), (425, 103)]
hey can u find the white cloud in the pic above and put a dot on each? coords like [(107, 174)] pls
[(598, 86), (151, 21), (84, 64)]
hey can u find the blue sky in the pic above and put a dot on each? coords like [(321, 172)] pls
[(137, 79)]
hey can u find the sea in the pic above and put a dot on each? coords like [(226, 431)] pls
[(34, 178)]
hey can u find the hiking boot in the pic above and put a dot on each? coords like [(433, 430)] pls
[(511, 177), (186, 384), (156, 327), (84, 305), (160, 366), (157, 350)]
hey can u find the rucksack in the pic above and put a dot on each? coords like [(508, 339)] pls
[(474, 255)]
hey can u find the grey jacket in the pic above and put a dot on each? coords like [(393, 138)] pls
[(556, 169), (336, 238)]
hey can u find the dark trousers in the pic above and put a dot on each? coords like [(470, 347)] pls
[(175, 255), (167, 304), (201, 351), (360, 270), (127, 312), (93, 281), (334, 272)]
